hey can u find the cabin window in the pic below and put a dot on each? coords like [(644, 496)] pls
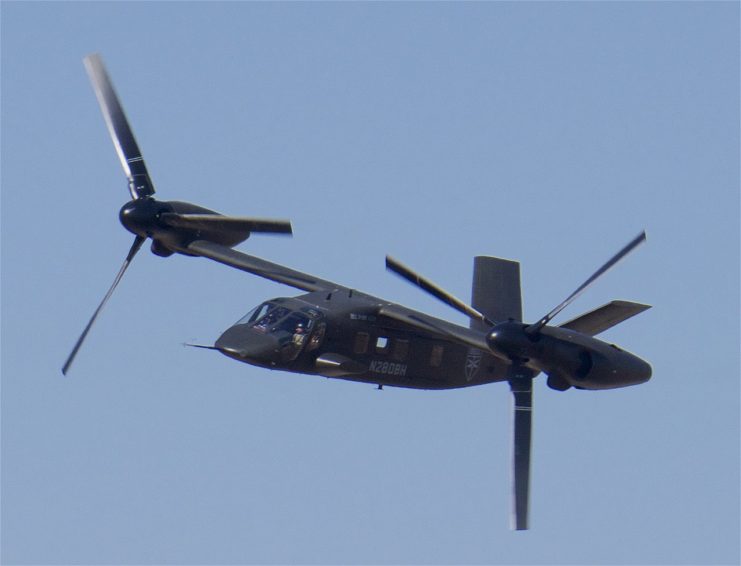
[(401, 349), (361, 343), (436, 357), (382, 345)]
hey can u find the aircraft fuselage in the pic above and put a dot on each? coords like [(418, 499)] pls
[(343, 334)]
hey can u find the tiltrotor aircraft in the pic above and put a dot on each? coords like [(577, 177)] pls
[(334, 331)]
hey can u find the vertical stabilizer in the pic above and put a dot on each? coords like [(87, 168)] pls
[(496, 290)]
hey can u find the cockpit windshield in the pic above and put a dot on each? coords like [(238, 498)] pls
[(269, 317), (295, 328), (257, 313)]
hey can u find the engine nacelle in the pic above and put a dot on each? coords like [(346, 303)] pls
[(150, 218), (587, 363), (158, 248)]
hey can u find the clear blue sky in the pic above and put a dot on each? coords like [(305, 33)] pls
[(550, 133)]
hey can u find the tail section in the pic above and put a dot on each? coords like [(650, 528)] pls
[(496, 293), (496, 290), (606, 316)]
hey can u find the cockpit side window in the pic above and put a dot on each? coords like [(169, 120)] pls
[(296, 324), (317, 337)]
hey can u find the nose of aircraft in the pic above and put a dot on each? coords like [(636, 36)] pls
[(248, 345), (642, 370)]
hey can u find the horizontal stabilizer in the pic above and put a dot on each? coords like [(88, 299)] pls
[(604, 317), (225, 223)]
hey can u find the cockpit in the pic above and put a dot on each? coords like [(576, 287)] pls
[(274, 332), (269, 317)]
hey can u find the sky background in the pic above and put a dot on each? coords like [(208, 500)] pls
[(550, 133)]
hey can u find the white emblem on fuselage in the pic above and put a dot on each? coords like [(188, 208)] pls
[(473, 361)]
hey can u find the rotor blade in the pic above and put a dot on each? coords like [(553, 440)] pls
[(225, 223), (128, 152), (437, 292), (533, 328), (522, 396), (138, 241)]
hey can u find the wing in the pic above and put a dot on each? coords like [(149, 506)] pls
[(225, 223), (260, 267), (604, 317), (251, 264), (440, 328)]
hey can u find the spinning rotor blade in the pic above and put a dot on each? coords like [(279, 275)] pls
[(522, 396), (225, 223), (534, 328), (140, 185), (437, 292), (138, 241)]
